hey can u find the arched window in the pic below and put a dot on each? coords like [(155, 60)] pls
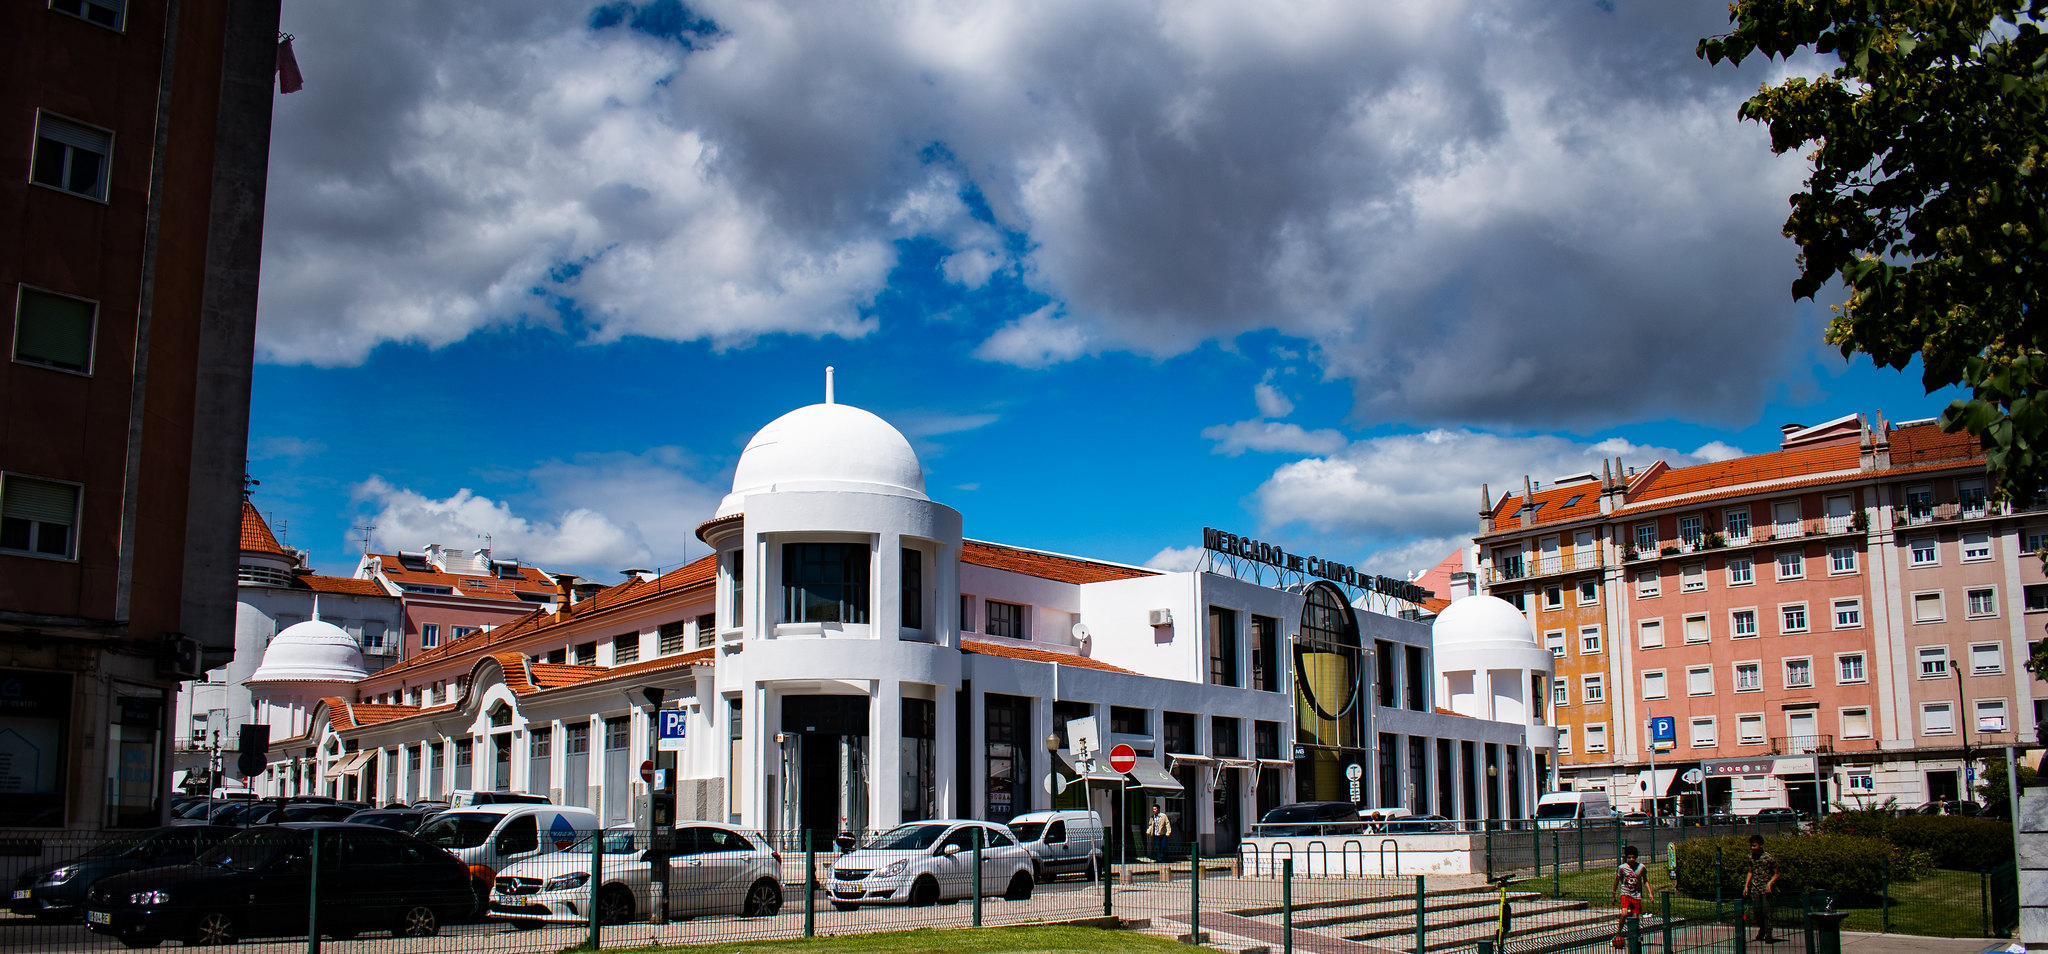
[(1329, 685)]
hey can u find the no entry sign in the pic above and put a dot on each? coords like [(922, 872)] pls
[(1123, 758)]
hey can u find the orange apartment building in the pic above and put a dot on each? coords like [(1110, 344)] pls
[(1832, 622)]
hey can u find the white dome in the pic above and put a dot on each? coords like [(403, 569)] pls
[(312, 651), (826, 447), (1481, 619)]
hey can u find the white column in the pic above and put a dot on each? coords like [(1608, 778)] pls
[(885, 734), (945, 746)]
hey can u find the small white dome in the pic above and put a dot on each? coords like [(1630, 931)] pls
[(1481, 619), (312, 651), (826, 447)]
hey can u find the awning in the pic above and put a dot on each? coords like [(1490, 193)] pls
[(1245, 764), (1148, 773), (351, 763), (1101, 773), (1667, 782), (1275, 764), (1190, 759)]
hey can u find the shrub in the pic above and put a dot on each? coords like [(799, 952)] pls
[(1850, 868), (1952, 841)]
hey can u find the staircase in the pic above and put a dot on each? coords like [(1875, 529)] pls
[(1455, 919)]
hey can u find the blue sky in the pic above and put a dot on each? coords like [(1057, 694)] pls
[(1119, 270)]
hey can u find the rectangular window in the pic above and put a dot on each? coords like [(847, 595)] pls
[(2035, 541), (71, 156), (1560, 692), (1689, 529), (1933, 662), (1990, 715), (106, 13), (1927, 608), (1749, 729), (1798, 673), (1520, 599), (430, 635), (736, 591), (1924, 553), (1849, 613), (1791, 565), (1266, 740), (1692, 578), (707, 630), (1005, 619), (1976, 547), (1792, 618), (1749, 677), (825, 583), (1654, 685), (1849, 669), (1553, 596), (1564, 740), (1937, 718), (625, 648), (1741, 571), (1266, 665), (1841, 560), (55, 331), (672, 638), (1703, 734), (1649, 633), (1127, 720), (1742, 623), (1919, 501), (1737, 523), (1856, 723), (1987, 659), (1646, 583), (38, 516), (1596, 738), (1699, 681), (1696, 629), (1981, 601), (1589, 592), (1222, 646), (911, 592), (1589, 640), (1224, 741), (1970, 493), (966, 613), (1594, 689), (586, 654), (1646, 539), (2037, 597)]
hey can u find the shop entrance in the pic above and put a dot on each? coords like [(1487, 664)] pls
[(1941, 786), (828, 784)]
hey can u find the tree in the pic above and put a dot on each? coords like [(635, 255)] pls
[(1928, 197)]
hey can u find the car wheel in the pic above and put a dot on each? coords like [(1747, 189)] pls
[(923, 892), (480, 898), (1020, 887), (764, 899), (417, 921), (843, 906), (214, 927), (1094, 867), (614, 905), (130, 941)]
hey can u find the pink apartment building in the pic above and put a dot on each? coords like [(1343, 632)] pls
[(1829, 623), (450, 593)]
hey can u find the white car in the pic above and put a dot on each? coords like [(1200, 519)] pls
[(713, 869), (924, 862)]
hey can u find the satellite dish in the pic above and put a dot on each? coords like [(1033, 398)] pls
[(1081, 634)]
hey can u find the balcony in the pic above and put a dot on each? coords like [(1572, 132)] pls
[(1539, 567), (1809, 528), (1802, 744), (1924, 514)]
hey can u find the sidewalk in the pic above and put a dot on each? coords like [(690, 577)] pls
[(1854, 943)]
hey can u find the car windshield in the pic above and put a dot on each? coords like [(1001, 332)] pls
[(459, 829), (908, 838), (397, 821), (1290, 813), (618, 843), (1558, 810), (253, 850), (1028, 831)]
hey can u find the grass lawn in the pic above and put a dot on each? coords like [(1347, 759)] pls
[(1943, 904), (1003, 940)]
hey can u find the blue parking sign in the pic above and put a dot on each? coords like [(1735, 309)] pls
[(673, 723), (1663, 729)]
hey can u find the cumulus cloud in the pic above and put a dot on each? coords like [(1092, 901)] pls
[(1414, 556), (1176, 559), (1271, 402), (1271, 437), (592, 514), (1517, 211)]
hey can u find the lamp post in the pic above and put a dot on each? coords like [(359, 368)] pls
[(1963, 728)]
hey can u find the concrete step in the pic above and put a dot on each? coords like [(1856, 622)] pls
[(1531, 931), (1403, 891), (1405, 911), (1471, 916)]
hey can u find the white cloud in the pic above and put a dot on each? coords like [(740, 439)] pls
[(1271, 402), (1036, 340), (1176, 559), (1271, 437), (287, 447), (1717, 451), (1414, 556), (970, 268)]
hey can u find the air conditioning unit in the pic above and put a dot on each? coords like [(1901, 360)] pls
[(1162, 617)]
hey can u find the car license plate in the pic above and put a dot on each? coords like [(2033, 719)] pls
[(20, 894), (848, 892), (99, 917)]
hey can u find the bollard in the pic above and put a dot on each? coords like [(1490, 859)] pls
[(1287, 907), (810, 886), (1421, 921), (1635, 933), (596, 880), (977, 874), (313, 899)]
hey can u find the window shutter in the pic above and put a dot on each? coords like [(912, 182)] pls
[(73, 135), (26, 498)]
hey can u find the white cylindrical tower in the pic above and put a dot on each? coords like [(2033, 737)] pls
[(1490, 666)]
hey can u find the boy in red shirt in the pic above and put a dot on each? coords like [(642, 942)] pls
[(1631, 888)]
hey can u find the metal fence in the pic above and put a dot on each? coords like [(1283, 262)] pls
[(360, 891)]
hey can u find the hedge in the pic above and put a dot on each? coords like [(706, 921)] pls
[(1958, 842), (1850, 868)]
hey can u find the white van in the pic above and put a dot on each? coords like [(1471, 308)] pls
[(1061, 842), (489, 837), (1567, 809)]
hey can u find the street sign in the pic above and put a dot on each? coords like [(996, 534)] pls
[(1123, 758), (1354, 772), (674, 723), (1692, 776), (647, 772), (1354, 790), (1663, 729), (1055, 783)]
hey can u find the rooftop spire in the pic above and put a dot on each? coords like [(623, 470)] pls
[(828, 384)]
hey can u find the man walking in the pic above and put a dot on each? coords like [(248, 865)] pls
[(1763, 876), (1158, 830), (1631, 888)]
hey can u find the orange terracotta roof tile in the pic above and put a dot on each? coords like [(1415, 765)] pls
[(1046, 566), (700, 657), (1795, 464), (1435, 605), (1555, 504), (371, 713), (341, 585), (256, 535), (476, 585), (337, 712), (981, 648), (1916, 444), (556, 675)]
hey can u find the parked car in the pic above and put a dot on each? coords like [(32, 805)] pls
[(1783, 815), (1950, 807), (407, 820), (464, 798), (713, 869), (1636, 819), (923, 862), (57, 891), (1417, 825), (487, 838), (270, 813), (1570, 809), (1297, 819), (257, 884), (1061, 842)]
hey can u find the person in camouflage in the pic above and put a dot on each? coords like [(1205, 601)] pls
[(1763, 876)]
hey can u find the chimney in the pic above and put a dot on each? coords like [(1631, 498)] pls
[(565, 594), (1485, 509), (1528, 501)]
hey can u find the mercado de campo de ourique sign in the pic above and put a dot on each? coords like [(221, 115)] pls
[(1246, 548)]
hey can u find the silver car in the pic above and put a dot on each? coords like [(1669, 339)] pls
[(924, 862), (713, 869)]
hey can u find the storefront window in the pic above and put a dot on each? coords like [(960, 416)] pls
[(133, 764), (35, 726), (920, 781), (1008, 757)]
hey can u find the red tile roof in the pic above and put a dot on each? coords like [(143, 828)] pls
[(1046, 566), (477, 585), (981, 648), (256, 535), (1795, 464), (1925, 444), (371, 713), (342, 585)]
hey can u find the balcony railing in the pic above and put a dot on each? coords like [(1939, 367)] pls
[(1919, 514), (1829, 526), (1529, 568), (1802, 744)]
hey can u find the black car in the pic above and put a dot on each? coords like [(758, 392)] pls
[(1310, 818), (57, 891), (407, 820), (259, 884)]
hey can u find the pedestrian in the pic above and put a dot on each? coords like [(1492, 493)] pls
[(1158, 830), (1763, 876), (1631, 888)]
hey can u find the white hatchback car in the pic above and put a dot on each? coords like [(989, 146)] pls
[(713, 869), (923, 862)]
